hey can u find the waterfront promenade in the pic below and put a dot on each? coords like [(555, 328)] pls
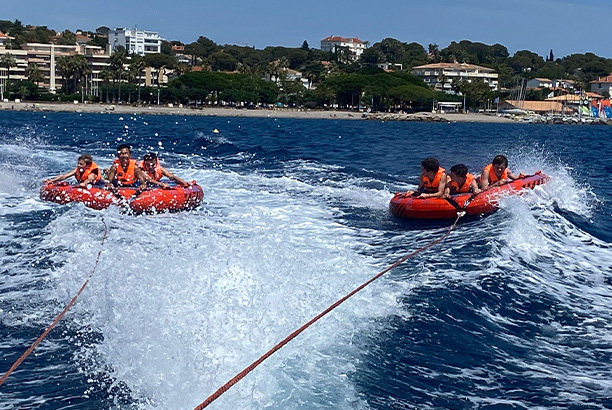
[(236, 112)]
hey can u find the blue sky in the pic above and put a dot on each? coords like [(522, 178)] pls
[(566, 26)]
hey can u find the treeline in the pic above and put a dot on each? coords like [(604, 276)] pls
[(381, 91), (234, 73)]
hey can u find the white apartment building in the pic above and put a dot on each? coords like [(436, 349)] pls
[(443, 76), (355, 46), (135, 41)]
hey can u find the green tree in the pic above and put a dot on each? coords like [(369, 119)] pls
[(393, 50), (412, 96), (474, 53), (208, 45), (525, 61), (313, 71), (476, 92), (166, 48), (160, 60), (433, 51), (107, 75), (34, 73), (67, 38), (81, 69), (371, 56), (8, 61), (221, 61), (66, 69), (117, 61), (551, 70), (137, 66)]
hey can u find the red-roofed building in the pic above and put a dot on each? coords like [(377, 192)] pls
[(354, 45), (82, 40), (602, 85), (4, 39)]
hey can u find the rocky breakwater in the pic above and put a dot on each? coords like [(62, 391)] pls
[(540, 119), (419, 116)]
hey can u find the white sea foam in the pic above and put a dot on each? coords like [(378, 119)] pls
[(185, 301)]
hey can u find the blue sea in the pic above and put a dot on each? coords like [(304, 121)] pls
[(511, 311)]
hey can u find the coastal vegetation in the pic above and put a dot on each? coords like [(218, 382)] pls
[(210, 73)]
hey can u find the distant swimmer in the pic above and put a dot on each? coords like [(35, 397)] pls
[(460, 181), (124, 171), (432, 181), (497, 173), (153, 171), (86, 173)]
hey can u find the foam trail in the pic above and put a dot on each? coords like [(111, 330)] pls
[(183, 302)]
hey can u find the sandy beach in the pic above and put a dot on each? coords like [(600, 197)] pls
[(238, 112)]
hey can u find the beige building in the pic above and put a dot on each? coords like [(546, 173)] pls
[(602, 85), (45, 57), (444, 76)]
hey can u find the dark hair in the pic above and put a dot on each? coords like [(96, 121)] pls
[(500, 160), (430, 164), (87, 158), (459, 170), (149, 156), (122, 146)]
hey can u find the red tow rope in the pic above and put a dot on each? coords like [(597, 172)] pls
[(293, 335), (59, 317)]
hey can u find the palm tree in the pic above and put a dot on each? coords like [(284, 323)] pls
[(8, 61), (80, 69), (160, 77), (117, 61), (131, 74), (312, 71), (66, 67), (273, 71), (138, 65), (34, 73), (106, 75)]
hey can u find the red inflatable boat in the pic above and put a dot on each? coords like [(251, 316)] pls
[(440, 208), (176, 198)]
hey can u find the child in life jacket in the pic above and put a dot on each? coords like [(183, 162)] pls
[(460, 181), (124, 171), (86, 173), (153, 171), (497, 173), (432, 181)]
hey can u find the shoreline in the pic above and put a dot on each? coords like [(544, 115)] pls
[(246, 113)]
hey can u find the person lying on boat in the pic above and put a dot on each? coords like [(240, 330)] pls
[(497, 173), (460, 181), (86, 173), (153, 171), (432, 182), (124, 171)]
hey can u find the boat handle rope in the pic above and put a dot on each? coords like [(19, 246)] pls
[(293, 335), (60, 316)]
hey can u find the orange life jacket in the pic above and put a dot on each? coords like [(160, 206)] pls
[(157, 172), (432, 186), (456, 189), (124, 177), (492, 176), (82, 177)]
